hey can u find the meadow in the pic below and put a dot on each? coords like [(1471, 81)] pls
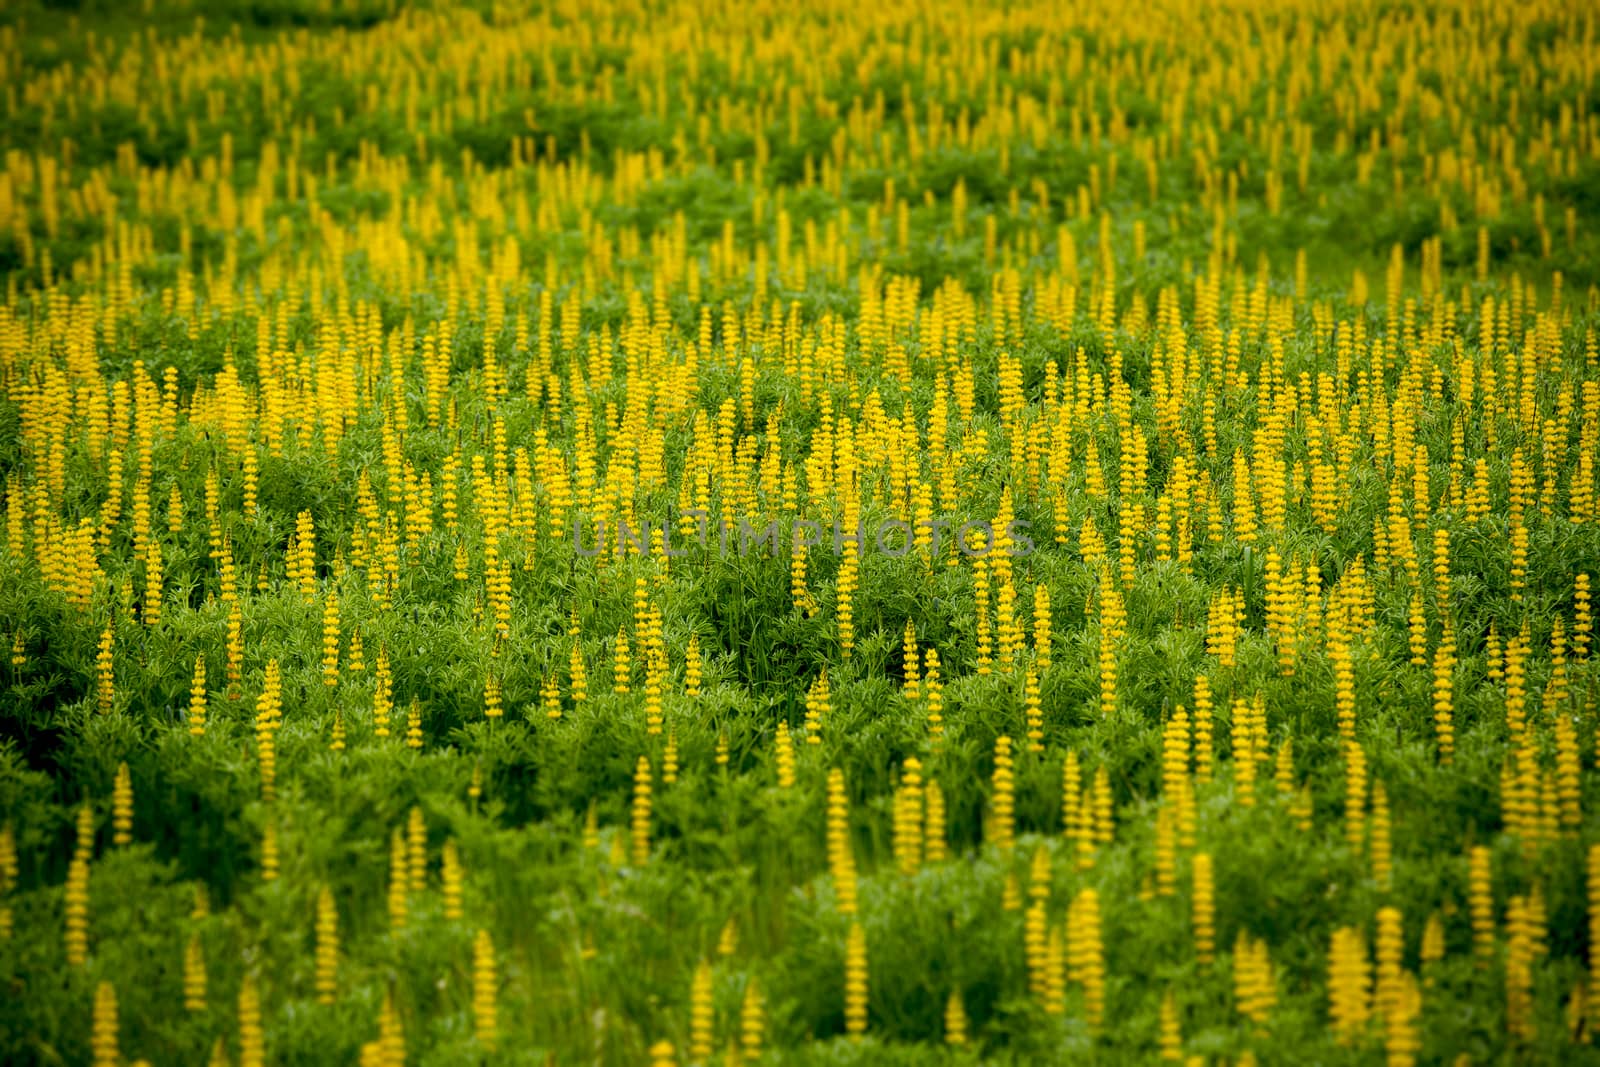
[(340, 340)]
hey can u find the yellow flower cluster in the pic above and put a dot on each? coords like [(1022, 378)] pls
[(286, 373)]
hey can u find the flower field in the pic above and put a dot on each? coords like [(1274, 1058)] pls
[(651, 532)]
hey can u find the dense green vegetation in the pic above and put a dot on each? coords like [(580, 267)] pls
[(335, 334)]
